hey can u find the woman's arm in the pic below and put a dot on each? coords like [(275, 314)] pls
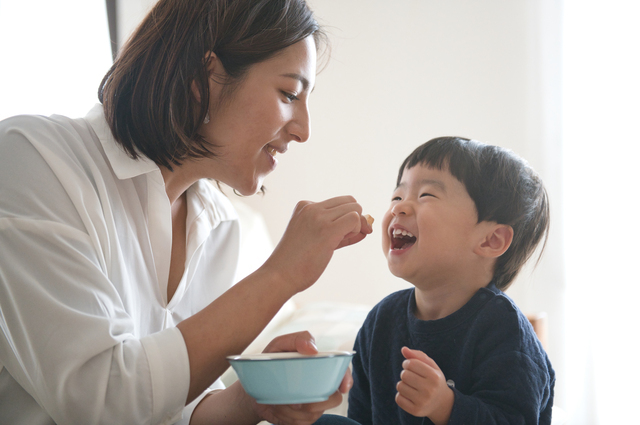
[(229, 324)]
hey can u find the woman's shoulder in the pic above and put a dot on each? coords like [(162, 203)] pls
[(35, 124), (55, 134)]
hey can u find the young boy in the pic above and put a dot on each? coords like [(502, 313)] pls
[(463, 220)]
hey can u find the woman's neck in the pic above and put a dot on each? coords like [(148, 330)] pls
[(176, 182)]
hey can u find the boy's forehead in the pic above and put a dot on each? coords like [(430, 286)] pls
[(424, 174)]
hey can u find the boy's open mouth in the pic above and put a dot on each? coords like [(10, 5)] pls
[(401, 239)]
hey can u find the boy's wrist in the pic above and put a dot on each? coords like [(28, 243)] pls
[(442, 414)]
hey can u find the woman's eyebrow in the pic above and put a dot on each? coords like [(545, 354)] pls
[(303, 80)]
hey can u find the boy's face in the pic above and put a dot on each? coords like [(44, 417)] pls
[(431, 228)]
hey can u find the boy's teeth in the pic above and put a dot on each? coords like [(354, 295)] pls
[(398, 232), (271, 150)]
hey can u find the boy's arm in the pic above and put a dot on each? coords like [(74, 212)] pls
[(510, 389), (507, 389)]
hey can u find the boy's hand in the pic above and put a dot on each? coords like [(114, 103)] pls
[(423, 390)]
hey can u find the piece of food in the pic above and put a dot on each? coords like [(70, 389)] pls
[(369, 219)]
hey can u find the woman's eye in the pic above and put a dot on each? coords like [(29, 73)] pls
[(290, 96)]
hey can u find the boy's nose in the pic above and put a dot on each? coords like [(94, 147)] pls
[(400, 208)]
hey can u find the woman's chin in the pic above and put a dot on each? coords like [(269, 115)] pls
[(250, 189)]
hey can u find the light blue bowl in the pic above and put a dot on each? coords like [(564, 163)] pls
[(291, 378)]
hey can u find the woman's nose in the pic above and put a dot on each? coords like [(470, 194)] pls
[(300, 125)]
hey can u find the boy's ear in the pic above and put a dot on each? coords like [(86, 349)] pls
[(496, 241), (213, 65)]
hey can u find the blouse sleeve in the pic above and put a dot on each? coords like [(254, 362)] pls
[(69, 343)]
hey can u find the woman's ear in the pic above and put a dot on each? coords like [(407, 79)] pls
[(496, 241), (213, 65)]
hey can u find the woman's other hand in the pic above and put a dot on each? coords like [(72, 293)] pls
[(304, 343), (315, 231)]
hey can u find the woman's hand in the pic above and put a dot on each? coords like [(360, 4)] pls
[(315, 231), (299, 414), (423, 390)]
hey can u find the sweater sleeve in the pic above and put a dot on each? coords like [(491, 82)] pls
[(360, 402), (510, 388)]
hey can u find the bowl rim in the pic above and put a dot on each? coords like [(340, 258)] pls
[(288, 356)]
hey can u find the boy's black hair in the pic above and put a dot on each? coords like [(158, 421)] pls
[(504, 188)]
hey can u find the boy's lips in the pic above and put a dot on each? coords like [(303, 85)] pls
[(400, 238)]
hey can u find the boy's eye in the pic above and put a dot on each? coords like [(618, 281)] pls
[(425, 194), (396, 198)]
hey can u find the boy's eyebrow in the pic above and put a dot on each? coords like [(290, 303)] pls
[(426, 182), (303, 80)]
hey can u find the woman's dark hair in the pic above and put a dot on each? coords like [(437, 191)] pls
[(147, 94), (504, 188)]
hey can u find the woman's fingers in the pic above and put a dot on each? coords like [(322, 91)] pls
[(302, 342), (314, 232), (347, 382), (298, 414)]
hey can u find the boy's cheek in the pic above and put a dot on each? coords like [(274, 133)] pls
[(384, 228)]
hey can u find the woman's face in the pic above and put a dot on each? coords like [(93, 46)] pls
[(260, 117)]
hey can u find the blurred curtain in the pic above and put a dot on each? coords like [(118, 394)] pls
[(112, 19)]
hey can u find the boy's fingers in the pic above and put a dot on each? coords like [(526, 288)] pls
[(409, 354), (406, 403), (413, 379)]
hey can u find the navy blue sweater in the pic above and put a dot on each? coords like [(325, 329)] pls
[(488, 348)]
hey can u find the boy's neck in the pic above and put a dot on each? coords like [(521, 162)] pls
[(441, 300)]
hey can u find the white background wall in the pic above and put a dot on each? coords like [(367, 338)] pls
[(402, 72)]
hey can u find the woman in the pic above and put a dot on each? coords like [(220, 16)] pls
[(118, 254)]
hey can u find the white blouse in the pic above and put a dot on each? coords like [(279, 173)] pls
[(86, 333)]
